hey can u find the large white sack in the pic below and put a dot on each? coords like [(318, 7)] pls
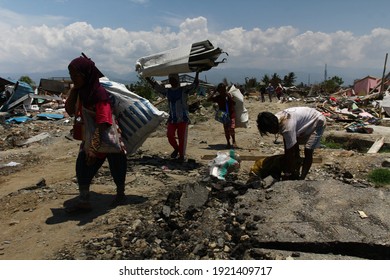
[(242, 116), (385, 103), (137, 117)]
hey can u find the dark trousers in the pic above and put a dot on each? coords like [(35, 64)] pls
[(85, 173), (262, 97)]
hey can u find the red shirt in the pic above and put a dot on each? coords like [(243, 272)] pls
[(103, 113)]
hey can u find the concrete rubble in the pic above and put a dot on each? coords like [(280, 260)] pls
[(334, 214)]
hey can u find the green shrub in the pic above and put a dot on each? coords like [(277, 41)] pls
[(380, 176), (384, 149), (331, 144)]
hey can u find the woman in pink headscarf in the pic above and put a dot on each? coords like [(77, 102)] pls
[(88, 92)]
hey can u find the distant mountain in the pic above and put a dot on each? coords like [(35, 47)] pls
[(233, 75)]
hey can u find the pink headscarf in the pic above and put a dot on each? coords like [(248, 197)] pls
[(92, 92)]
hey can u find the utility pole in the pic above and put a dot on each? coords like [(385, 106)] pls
[(325, 74), (383, 76)]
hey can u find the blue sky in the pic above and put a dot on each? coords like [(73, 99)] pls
[(350, 37)]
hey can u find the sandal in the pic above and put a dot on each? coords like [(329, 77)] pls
[(174, 154)]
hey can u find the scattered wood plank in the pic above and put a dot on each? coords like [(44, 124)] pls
[(253, 158), (362, 214), (376, 146)]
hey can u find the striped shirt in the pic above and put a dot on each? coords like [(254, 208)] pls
[(177, 101)]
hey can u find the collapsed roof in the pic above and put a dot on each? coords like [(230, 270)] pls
[(18, 92), (199, 56)]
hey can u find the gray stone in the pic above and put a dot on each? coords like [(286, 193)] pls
[(193, 196)]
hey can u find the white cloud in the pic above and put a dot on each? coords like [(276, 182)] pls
[(9, 19), (140, 1), (34, 48)]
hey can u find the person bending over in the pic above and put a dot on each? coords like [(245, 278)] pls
[(298, 126)]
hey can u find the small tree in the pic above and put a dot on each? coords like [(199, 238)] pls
[(143, 88), (266, 79), (289, 79), (332, 85), (27, 80), (250, 83), (275, 80)]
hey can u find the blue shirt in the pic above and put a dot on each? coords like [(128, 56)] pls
[(177, 101)]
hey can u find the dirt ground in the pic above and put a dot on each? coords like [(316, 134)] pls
[(32, 194)]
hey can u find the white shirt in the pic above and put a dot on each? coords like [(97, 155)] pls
[(296, 124)]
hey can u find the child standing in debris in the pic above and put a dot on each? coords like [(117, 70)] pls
[(298, 125), (179, 117), (88, 92), (225, 100)]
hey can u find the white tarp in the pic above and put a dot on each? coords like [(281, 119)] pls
[(198, 56), (137, 117), (385, 103)]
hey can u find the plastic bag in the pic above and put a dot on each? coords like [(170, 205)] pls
[(110, 139), (222, 117), (78, 128), (224, 164)]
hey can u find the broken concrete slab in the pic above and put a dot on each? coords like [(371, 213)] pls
[(35, 138), (378, 131), (312, 216), (194, 196)]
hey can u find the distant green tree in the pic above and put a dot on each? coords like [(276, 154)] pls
[(143, 88), (332, 85), (27, 80), (275, 80), (250, 83), (266, 79), (289, 79)]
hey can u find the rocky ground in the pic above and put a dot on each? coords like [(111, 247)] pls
[(173, 209)]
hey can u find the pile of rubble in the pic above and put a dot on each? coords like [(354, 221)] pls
[(15, 135), (193, 220)]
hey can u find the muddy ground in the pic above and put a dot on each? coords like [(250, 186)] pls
[(174, 212)]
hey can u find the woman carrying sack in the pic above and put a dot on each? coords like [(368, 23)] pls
[(95, 99), (226, 103)]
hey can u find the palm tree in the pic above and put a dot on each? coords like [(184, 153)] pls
[(275, 80), (289, 79), (266, 79)]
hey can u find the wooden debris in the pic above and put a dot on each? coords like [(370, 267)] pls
[(376, 146), (253, 158), (362, 214)]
